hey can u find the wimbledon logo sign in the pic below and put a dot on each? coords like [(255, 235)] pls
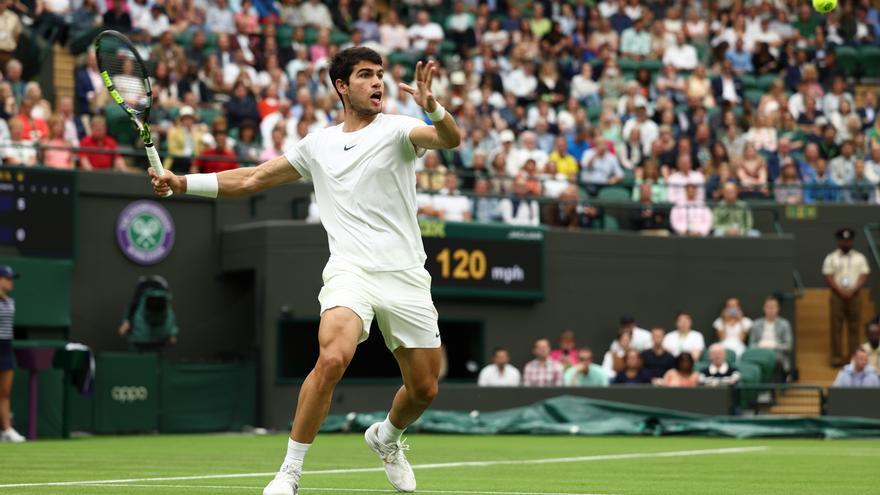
[(145, 232)]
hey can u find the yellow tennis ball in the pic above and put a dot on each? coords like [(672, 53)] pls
[(824, 6)]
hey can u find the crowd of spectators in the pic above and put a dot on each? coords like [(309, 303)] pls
[(677, 358), (673, 104)]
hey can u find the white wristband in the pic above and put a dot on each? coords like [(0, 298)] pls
[(438, 114), (205, 185)]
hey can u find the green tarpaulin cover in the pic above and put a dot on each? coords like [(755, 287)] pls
[(568, 415)]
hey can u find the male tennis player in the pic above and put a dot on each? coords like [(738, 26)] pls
[(364, 178)]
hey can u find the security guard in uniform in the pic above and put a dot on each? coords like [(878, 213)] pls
[(846, 272)]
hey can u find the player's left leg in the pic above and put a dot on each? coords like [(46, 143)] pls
[(420, 368), (7, 432)]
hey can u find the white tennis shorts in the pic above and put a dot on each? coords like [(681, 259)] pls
[(400, 301)]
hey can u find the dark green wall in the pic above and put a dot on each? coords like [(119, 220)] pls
[(229, 288)]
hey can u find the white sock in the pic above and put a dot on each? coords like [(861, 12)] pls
[(388, 433), (296, 452)]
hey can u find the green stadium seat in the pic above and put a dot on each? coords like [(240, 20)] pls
[(208, 115), (848, 59), (339, 37), (593, 113), (610, 223), (764, 82), (652, 65), (749, 82), (283, 34), (184, 38), (448, 48), (407, 60), (311, 36), (764, 358), (119, 125), (613, 193), (754, 95), (869, 59), (750, 373)]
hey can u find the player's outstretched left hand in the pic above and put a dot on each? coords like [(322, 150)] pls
[(422, 92), (167, 182)]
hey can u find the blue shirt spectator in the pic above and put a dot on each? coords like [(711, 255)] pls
[(857, 373)]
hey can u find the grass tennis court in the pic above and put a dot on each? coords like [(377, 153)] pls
[(499, 465)]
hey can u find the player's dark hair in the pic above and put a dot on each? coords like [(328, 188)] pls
[(497, 350), (344, 61)]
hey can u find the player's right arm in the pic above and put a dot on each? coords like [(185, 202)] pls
[(230, 183)]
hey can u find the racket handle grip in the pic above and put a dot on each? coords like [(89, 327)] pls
[(155, 163)]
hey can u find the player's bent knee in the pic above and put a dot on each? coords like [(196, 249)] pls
[(331, 366), (424, 391)]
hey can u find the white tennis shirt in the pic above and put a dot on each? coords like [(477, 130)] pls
[(365, 187)]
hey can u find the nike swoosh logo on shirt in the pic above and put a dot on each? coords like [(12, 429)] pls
[(346, 148)]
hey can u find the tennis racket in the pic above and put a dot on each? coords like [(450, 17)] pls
[(125, 75)]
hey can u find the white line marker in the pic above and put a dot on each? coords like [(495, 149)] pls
[(347, 490), (555, 460)]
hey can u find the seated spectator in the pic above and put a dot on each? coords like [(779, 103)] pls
[(732, 217), (842, 167), (117, 18), (600, 166), (727, 86), (217, 158), (57, 153), (521, 208), (566, 164), (648, 218), (788, 189), (184, 140), (719, 373), (423, 31), (752, 172), (241, 106), (682, 177), (635, 41), (18, 151), (860, 189), (740, 59), (649, 173), (649, 131), (774, 333), (692, 217), (614, 360), (450, 204), (732, 326), (542, 371), (585, 373), (568, 212), (684, 339), (500, 373), (584, 88), (567, 352), (632, 373), (248, 148), (657, 360), (528, 149), (641, 338), (276, 147), (683, 375), (486, 208), (820, 187), (858, 373), (97, 150), (872, 345)]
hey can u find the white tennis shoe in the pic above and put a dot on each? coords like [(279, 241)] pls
[(11, 436), (286, 482), (399, 472)]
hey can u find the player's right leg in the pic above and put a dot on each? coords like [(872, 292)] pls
[(338, 337)]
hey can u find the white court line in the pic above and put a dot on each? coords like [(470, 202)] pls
[(347, 490), (555, 460)]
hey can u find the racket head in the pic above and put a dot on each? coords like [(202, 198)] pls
[(124, 74)]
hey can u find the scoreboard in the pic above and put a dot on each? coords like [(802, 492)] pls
[(468, 260), (37, 212)]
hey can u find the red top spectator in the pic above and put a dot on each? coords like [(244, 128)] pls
[(212, 160), (98, 143)]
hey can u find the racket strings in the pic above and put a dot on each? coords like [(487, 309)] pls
[(125, 73)]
